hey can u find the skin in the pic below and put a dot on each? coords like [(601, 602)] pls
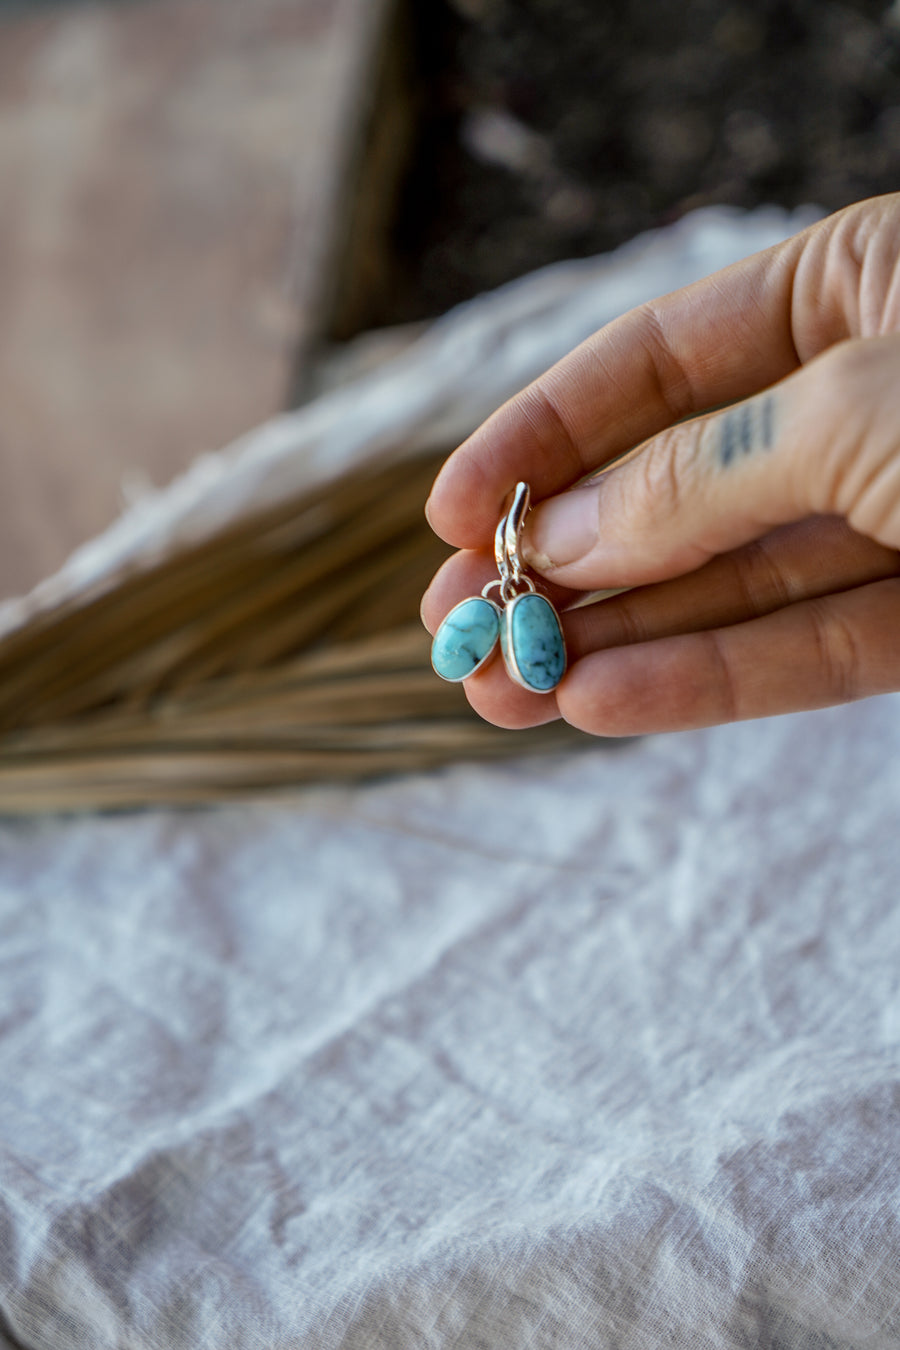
[(761, 540)]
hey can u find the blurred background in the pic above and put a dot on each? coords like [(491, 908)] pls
[(211, 210)]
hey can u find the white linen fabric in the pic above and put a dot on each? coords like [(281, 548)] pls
[(594, 1051)]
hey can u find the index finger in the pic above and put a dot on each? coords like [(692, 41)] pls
[(718, 340)]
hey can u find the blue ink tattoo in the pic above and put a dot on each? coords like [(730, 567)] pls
[(747, 428)]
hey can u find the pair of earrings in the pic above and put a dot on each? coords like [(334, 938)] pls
[(524, 622)]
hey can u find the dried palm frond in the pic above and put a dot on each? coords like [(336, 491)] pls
[(286, 649)]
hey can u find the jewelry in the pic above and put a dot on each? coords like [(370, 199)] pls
[(525, 622)]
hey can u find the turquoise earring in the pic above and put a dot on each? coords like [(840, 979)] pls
[(525, 622)]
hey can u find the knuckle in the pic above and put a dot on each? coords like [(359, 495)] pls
[(545, 412), (661, 471), (632, 627), (837, 651), (854, 362), (759, 579), (850, 376), (668, 371), (725, 683), (855, 468)]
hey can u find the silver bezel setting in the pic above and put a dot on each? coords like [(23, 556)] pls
[(506, 642), (458, 679)]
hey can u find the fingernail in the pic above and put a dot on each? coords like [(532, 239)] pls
[(561, 531)]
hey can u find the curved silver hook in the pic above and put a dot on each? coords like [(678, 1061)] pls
[(500, 557), (512, 530)]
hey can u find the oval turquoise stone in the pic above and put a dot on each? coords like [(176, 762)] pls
[(466, 638), (533, 643)]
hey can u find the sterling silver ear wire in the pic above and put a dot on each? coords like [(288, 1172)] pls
[(525, 622)]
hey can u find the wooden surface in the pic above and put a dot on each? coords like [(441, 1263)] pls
[(172, 174)]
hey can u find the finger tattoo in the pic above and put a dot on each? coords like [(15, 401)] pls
[(745, 429)]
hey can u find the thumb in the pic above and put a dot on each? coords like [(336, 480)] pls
[(826, 440)]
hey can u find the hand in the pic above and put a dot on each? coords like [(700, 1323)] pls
[(762, 538)]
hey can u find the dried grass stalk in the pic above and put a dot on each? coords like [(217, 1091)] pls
[(285, 650)]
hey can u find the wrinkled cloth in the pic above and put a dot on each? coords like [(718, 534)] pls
[(593, 1051)]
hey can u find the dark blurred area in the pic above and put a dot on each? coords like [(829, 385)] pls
[(561, 128), (201, 201)]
